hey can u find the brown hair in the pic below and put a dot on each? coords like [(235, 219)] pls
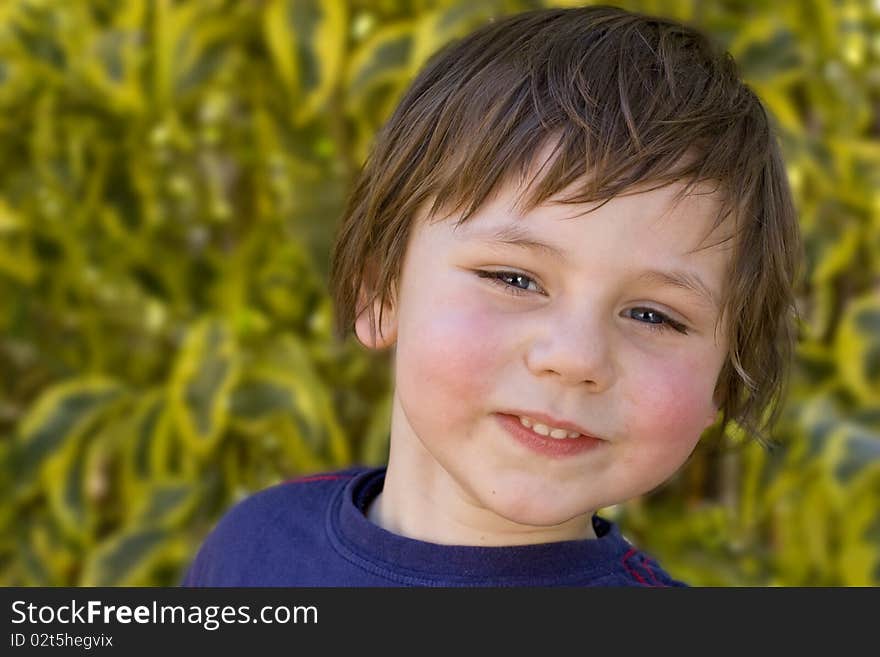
[(628, 99)]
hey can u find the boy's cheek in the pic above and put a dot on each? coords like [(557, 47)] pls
[(661, 422), (668, 413), (450, 350)]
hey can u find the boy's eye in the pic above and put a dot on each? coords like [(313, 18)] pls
[(520, 283), (664, 322)]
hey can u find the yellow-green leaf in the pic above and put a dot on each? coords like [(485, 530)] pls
[(149, 420), (859, 555), (206, 371), (166, 504), (857, 348), (306, 39), (65, 483), (384, 56), (127, 558), (58, 418)]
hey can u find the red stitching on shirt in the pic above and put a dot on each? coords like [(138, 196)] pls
[(645, 565), (632, 572), (309, 479)]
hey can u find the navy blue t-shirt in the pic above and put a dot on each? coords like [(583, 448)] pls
[(313, 531)]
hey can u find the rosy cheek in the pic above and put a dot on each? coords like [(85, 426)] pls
[(670, 413), (450, 350)]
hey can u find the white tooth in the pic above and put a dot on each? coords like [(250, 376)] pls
[(544, 430)]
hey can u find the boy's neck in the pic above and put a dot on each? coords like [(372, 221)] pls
[(420, 518)]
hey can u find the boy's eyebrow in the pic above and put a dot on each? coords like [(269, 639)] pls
[(514, 235), (685, 280)]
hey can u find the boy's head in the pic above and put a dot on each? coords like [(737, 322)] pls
[(627, 143)]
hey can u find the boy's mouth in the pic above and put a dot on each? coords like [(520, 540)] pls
[(546, 444), (544, 430), (548, 426)]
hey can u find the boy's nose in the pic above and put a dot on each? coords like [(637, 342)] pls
[(575, 349)]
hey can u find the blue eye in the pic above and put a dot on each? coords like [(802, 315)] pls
[(498, 277), (520, 284), (664, 324)]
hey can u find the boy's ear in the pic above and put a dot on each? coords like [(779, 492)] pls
[(375, 337)]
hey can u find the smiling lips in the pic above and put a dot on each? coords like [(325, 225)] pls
[(544, 430), (564, 444), (547, 425)]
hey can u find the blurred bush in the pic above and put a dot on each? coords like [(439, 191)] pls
[(172, 176)]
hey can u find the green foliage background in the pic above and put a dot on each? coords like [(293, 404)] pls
[(172, 173)]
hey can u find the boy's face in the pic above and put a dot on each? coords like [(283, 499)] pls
[(576, 344)]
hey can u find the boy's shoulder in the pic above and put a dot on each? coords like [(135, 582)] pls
[(299, 491), (274, 517)]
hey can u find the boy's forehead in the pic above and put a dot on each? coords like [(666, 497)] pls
[(659, 214)]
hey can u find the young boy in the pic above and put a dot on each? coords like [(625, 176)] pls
[(576, 235)]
